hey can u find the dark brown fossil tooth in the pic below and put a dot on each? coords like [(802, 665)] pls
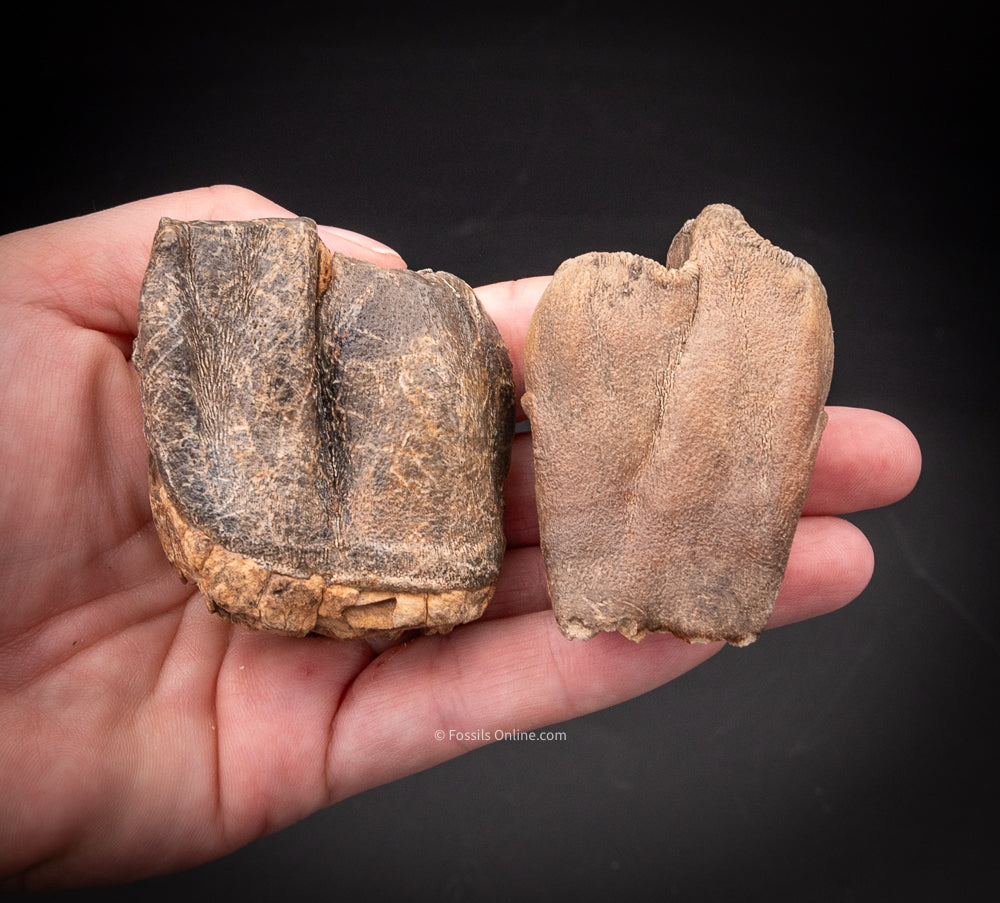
[(328, 439), (676, 412)]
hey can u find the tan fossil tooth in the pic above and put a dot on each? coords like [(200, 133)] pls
[(676, 412), (328, 439)]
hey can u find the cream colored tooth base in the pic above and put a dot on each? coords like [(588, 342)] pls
[(249, 593)]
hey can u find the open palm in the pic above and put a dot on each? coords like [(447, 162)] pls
[(141, 734)]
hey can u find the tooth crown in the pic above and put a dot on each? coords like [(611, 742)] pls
[(328, 440)]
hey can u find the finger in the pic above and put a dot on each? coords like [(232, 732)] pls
[(520, 673), (865, 460), (521, 587), (520, 516), (361, 247), (510, 305), (414, 706), (829, 565), (92, 267)]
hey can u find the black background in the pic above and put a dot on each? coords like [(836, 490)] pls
[(848, 758)]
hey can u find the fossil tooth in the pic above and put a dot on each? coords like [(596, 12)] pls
[(676, 412), (328, 440)]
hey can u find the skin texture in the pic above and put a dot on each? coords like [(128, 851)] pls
[(139, 733)]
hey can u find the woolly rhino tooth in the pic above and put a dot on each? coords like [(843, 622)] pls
[(328, 440), (676, 412)]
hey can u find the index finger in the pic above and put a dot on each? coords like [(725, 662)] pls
[(510, 305)]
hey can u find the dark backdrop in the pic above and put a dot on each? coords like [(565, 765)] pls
[(849, 758)]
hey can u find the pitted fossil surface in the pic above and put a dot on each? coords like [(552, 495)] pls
[(676, 412), (328, 440)]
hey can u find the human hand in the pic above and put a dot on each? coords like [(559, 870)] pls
[(140, 734)]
